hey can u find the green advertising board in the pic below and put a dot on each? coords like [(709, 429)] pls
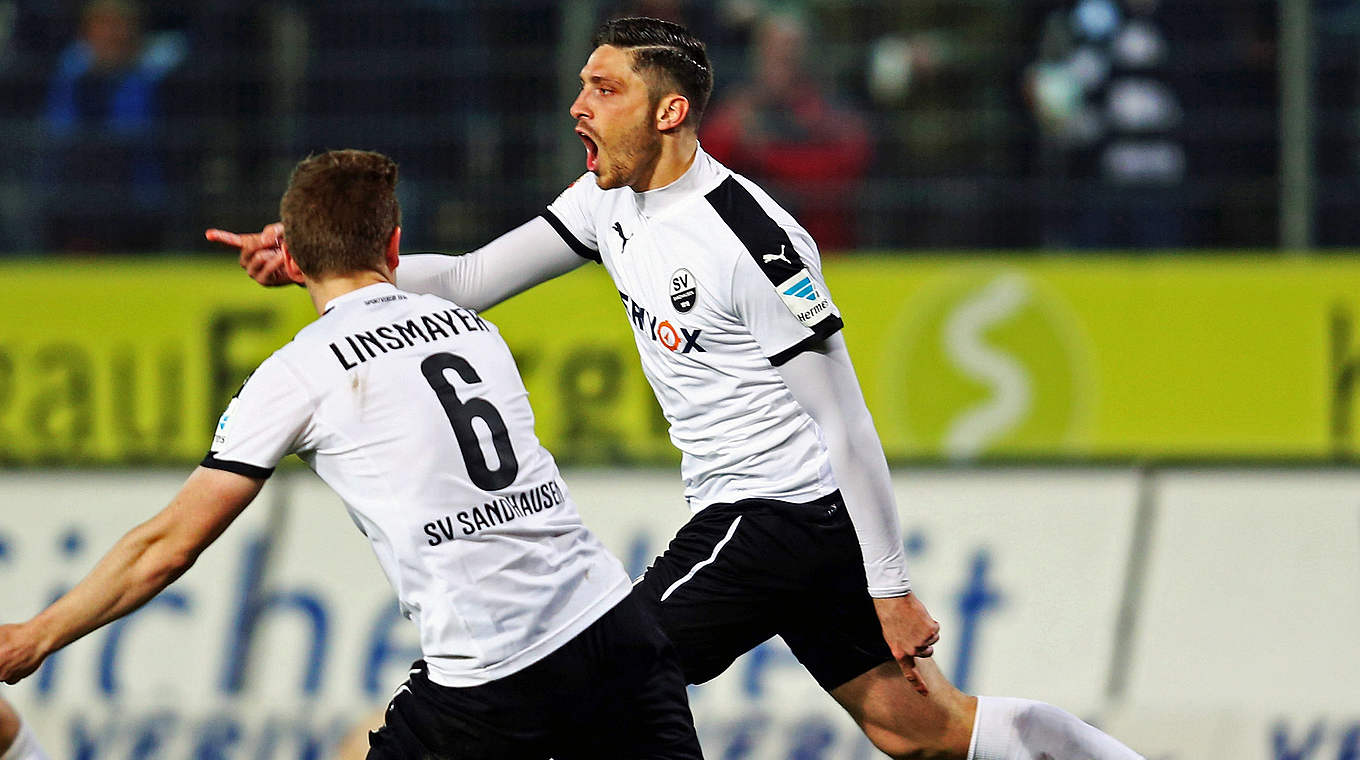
[(961, 358)]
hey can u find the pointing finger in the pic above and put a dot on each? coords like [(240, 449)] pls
[(223, 236)]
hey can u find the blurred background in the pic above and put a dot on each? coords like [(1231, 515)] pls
[(1096, 258), (968, 124)]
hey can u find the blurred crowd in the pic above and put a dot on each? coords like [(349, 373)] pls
[(882, 124)]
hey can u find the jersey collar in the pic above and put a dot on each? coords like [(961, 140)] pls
[(367, 291), (702, 176)]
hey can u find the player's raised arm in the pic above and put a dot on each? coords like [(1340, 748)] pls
[(530, 254), (824, 383), (143, 562), (512, 263)]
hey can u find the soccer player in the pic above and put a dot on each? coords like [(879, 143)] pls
[(410, 407), (795, 531), (16, 740)]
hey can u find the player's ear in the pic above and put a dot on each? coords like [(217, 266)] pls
[(290, 265), (671, 112), (393, 246)]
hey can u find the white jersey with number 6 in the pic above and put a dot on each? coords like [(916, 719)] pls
[(411, 408)]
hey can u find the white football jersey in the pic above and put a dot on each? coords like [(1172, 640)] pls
[(720, 285), (412, 410)]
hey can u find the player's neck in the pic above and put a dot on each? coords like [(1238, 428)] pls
[(331, 287), (677, 155)]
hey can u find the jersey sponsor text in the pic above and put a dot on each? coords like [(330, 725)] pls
[(677, 339), (796, 293)]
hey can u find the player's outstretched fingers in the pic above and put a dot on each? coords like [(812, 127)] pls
[(261, 253), (248, 245), (223, 236)]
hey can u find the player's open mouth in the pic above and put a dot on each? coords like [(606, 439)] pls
[(592, 151)]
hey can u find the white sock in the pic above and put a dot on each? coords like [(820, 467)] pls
[(1007, 728), (25, 747)]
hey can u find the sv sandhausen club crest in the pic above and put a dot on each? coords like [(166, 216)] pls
[(683, 291)]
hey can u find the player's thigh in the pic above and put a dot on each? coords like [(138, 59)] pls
[(640, 706), (832, 626), (835, 633), (902, 722), (714, 590), (426, 720)]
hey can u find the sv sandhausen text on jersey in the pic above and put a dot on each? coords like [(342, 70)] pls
[(498, 511)]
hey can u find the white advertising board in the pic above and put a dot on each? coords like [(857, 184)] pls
[(1242, 647), (1248, 645)]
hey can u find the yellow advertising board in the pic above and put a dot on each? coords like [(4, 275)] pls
[(962, 358)]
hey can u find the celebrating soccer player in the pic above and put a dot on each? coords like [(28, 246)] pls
[(795, 531)]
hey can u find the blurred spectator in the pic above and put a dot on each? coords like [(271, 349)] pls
[(1337, 96), (103, 165), (725, 26), (940, 76), (781, 129), (1109, 114)]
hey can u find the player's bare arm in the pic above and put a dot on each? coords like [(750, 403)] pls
[(143, 562), (824, 383)]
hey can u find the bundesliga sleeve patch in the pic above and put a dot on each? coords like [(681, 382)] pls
[(808, 301), (223, 424)]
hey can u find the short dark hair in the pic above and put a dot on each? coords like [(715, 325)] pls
[(339, 211), (665, 48)]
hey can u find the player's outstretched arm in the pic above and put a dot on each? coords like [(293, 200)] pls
[(530, 254), (824, 383), (512, 263), (143, 562)]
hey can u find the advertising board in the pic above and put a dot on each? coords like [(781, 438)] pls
[(1199, 615), (1043, 359)]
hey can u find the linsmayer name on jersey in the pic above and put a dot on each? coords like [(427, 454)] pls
[(808, 301), (675, 338)]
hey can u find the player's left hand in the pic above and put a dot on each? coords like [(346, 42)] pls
[(20, 653), (910, 632)]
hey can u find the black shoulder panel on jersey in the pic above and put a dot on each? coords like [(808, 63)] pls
[(581, 249), (766, 241), (249, 375), (824, 329), (240, 468)]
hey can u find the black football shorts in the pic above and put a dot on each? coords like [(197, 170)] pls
[(614, 691), (738, 574)]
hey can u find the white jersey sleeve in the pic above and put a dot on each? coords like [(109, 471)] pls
[(783, 301), (824, 383), (264, 422), (572, 214), (530, 254)]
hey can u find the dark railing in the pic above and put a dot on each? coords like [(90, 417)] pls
[(471, 97)]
